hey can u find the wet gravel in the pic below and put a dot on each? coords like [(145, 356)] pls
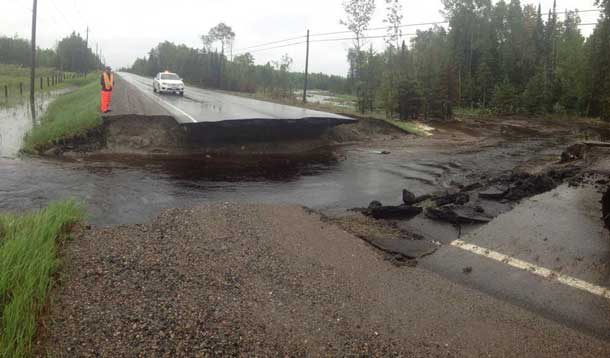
[(265, 280)]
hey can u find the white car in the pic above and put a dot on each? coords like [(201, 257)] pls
[(167, 82)]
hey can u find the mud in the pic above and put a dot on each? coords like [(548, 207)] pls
[(163, 136), (606, 208)]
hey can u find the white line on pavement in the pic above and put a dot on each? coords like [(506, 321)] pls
[(535, 269), (164, 101), (178, 109)]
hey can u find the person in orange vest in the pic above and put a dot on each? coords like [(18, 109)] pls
[(107, 82)]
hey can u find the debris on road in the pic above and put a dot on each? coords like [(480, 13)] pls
[(458, 214), (493, 193), (409, 249), (574, 152), (460, 198), (530, 185), (408, 197), (394, 212), (606, 208)]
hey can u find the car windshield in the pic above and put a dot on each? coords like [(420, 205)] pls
[(169, 76)]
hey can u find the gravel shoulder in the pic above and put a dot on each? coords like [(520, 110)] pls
[(273, 280)]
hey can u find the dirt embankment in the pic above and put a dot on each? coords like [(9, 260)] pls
[(162, 135), (228, 280)]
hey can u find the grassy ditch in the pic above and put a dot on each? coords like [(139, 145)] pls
[(71, 115), (28, 260)]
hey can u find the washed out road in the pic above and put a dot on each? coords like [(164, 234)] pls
[(436, 309)]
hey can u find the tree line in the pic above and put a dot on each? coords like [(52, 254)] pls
[(211, 67), (505, 57), (71, 54)]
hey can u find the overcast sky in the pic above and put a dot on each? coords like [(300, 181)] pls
[(127, 29)]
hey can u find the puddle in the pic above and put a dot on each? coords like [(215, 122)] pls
[(17, 120), (325, 97)]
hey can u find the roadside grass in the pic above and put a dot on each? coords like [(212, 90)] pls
[(410, 127), (69, 116), (470, 112), (28, 260)]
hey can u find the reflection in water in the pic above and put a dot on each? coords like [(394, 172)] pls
[(17, 120), (128, 190)]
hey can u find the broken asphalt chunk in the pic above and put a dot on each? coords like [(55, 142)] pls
[(394, 212), (458, 215), (493, 193), (410, 249), (456, 198), (408, 197)]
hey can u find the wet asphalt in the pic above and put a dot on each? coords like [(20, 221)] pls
[(201, 106)]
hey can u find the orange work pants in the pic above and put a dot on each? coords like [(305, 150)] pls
[(106, 100)]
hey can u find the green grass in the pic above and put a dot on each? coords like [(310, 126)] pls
[(469, 112), (71, 115), (28, 260), (407, 126)]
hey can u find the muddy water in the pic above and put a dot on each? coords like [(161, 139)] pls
[(120, 190), (127, 190), (17, 120)]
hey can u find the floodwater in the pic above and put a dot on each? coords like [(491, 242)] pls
[(326, 97), (17, 120), (121, 190)]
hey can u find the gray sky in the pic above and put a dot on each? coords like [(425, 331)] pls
[(126, 29)]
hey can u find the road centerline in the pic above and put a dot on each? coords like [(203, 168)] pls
[(533, 268)]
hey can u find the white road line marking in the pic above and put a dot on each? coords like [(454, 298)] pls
[(535, 269), (164, 101), (178, 109)]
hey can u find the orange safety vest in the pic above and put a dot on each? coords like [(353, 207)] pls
[(108, 81)]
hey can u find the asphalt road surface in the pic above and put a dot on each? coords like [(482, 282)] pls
[(204, 106)]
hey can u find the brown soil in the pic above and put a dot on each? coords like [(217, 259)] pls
[(161, 135), (248, 280)]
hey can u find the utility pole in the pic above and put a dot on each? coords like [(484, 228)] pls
[(306, 70), (87, 38), (33, 58)]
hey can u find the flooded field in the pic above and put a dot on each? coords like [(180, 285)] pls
[(18, 119)]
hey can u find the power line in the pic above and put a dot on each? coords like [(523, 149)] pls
[(428, 24), (276, 47), (63, 16), (382, 28), (362, 38), (269, 43), (347, 39)]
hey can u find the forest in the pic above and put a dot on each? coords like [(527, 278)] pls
[(71, 54), (503, 58)]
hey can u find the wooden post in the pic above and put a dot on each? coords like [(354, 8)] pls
[(33, 56), (306, 70), (21, 88), (48, 81), (6, 91), (41, 81)]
